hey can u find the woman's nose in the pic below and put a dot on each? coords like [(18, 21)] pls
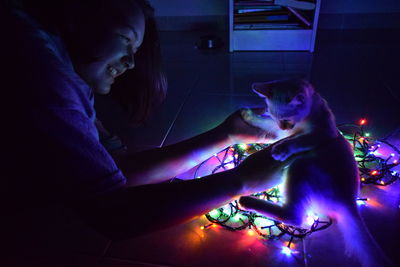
[(128, 61)]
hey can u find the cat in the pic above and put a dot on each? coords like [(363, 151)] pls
[(325, 179), (299, 111)]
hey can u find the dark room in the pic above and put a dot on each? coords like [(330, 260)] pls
[(139, 133)]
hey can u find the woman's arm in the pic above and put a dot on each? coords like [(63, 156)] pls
[(140, 209), (137, 210), (161, 164)]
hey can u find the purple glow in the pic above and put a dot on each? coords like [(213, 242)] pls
[(287, 251)]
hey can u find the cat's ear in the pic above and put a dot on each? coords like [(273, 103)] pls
[(262, 89), (298, 100)]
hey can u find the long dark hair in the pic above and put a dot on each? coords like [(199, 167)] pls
[(139, 90), (143, 88)]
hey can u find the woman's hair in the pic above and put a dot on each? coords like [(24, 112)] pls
[(139, 90), (143, 88)]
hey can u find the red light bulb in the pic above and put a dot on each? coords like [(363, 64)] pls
[(363, 121)]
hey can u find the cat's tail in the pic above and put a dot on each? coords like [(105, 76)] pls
[(358, 240)]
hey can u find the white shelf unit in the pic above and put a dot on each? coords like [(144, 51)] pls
[(272, 39)]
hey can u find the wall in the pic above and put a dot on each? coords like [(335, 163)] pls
[(342, 14), (360, 6), (190, 7), (220, 7)]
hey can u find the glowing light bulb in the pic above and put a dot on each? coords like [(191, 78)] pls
[(362, 179), (392, 155), (310, 220), (243, 146), (214, 213), (363, 121), (375, 172), (287, 251), (367, 134), (250, 232), (230, 166), (382, 182), (202, 227), (395, 161), (236, 218)]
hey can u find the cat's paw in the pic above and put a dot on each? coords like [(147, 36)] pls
[(280, 152), (256, 117), (247, 114)]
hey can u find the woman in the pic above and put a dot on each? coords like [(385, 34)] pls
[(56, 56)]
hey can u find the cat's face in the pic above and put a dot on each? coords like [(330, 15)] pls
[(288, 102)]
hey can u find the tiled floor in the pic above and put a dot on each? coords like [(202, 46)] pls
[(356, 71)]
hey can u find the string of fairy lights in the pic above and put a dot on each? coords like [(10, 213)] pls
[(374, 168)]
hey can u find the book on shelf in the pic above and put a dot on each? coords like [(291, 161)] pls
[(282, 17), (253, 2), (267, 15), (266, 26), (262, 13), (244, 10)]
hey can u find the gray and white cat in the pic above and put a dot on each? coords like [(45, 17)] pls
[(323, 181)]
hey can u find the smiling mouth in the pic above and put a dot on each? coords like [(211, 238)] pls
[(112, 71)]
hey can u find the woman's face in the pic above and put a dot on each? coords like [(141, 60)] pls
[(114, 43)]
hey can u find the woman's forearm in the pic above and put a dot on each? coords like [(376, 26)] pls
[(145, 208), (163, 163)]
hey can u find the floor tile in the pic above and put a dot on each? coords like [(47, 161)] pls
[(188, 245), (112, 262), (203, 112), (326, 248), (157, 127), (266, 57), (56, 228), (382, 216), (296, 57), (181, 47), (48, 258)]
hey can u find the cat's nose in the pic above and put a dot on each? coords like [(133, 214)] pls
[(285, 125)]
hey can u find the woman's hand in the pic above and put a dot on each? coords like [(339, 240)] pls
[(239, 128), (260, 171)]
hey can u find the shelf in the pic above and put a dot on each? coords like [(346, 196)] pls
[(295, 34)]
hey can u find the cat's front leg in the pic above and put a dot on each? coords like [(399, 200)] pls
[(282, 150), (295, 144), (288, 213)]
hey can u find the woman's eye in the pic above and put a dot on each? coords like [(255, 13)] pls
[(126, 38)]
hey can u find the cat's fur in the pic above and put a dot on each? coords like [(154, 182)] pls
[(325, 180)]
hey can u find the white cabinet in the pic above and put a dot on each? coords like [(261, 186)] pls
[(289, 35)]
